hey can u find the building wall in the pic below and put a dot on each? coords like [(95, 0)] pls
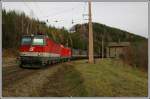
[(119, 51), (114, 52)]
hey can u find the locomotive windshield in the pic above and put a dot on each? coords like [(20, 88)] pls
[(33, 40), (26, 41), (38, 40)]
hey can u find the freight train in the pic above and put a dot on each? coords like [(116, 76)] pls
[(39, 48)]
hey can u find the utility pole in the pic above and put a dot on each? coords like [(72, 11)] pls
[(91, 58), (71, 44), (22, 24), (103, 37), (28, 28)]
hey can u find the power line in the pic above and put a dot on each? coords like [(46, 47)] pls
[(59, 13), (36, 4), (54, 14), (84, 14), (31, 10), (32, 15)]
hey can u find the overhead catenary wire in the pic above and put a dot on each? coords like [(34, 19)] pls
[(72, 17), (84, 15), (59, 13), (51, 18), (39, 8), (84, 21), (33, 15), (31, 10)]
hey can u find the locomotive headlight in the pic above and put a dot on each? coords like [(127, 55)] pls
[(39, 54)]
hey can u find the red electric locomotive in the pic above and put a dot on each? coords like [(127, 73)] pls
[(40, 49)]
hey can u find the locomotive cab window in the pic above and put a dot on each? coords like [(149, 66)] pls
[(38, 41), (26, 41)]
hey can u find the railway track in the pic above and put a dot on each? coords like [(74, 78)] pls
[(9, 70), (18, 81), (14, 74)]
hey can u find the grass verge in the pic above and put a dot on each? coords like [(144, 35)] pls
[(65, 82), (112, 78)]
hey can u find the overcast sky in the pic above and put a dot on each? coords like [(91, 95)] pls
[(129, 16)]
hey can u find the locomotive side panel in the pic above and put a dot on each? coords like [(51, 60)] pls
[(54, 49)]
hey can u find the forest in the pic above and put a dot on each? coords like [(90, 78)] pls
[(14, 25)]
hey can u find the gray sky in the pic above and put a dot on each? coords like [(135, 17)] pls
[(129, 16)]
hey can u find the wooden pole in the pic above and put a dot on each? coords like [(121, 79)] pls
[(91, 58)]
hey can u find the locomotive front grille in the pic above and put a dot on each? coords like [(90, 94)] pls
[(31, 59)]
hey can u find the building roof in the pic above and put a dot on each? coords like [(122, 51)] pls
[(118, 44)]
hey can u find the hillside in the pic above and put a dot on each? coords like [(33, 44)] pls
[(138, 51), (108, 33)]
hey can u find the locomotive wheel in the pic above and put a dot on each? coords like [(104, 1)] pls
[(54, 62), (20, 64), (44, 63), (68, 59), (49, 62)]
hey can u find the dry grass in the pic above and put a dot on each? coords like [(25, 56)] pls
[(65, 82), (112, 78), (11, 53)]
